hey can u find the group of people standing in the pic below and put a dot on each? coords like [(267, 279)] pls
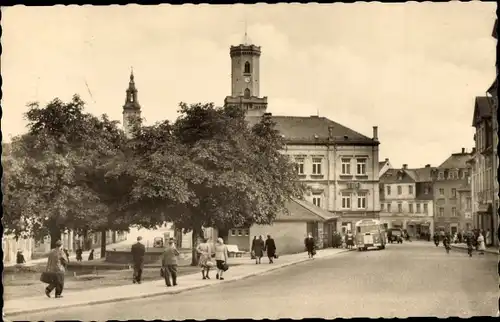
[(473, 239), (259, 246)]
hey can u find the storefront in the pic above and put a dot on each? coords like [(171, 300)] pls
[(418, 228)]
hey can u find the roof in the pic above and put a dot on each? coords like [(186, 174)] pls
[(456, 161), (303, 129), (482, 109), (301, 210), (415, 175), (381, 165)]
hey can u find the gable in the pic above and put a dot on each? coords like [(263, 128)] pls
[(300, 210), (481, 110), (391, 176)]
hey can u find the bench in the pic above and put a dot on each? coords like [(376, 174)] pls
[(233, 251)]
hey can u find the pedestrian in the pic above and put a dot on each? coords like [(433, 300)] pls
[(270, 248), (221, 257), (138, 251), (258, 249), (350, 240), (54, 272), (169, 263), (91, 255), (20, 258), (79, 254), (481, 244), (310, 244), (460, 237), (488, 239), (205, 254)]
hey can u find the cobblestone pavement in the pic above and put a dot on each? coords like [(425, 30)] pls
[(412, 279)]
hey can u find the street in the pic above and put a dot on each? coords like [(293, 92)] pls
[(412, 279)]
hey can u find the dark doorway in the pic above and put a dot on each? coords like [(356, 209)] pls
[(223, 233)]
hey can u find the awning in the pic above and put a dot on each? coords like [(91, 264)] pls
[(397, 223)]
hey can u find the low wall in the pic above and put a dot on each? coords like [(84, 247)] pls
[(153, 255)]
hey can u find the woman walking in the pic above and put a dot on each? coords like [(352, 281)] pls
[(221, 257), (481, 244), (270, 247), (204, 252), (258, 249)]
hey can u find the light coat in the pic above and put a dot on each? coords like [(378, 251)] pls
[(221, 252)]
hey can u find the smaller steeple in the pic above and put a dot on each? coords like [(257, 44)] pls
[(131, 109), (246, 40)]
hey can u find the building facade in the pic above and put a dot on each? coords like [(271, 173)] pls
[(451, 176), (339, 166), (406, 200)]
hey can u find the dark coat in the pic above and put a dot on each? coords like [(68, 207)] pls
[(138, 251), (309, 243), (258, 248), (270, 247)]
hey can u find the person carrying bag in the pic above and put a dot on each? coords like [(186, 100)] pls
[(55, 270), (221, 256)]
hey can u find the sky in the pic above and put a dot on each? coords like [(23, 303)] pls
[(412, 69)]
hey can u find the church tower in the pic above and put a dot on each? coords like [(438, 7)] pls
[(245, 79), (131, 109)]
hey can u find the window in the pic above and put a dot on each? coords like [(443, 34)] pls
[(441, 175), (346, 200), (361, 200), (388, 190), (361, 166), (317, 201), (453, 211), (389, 207), (240, 232), (247, 68), (451, 175), (247, 232), (441, 191), (441, 212), (410, 208), (426, 208), (316, 166), (453, 192), (400, 207), (410, 190), (300, 166), (233, 232), (418, 208), (381, 207), (247, 93), (400, 190), (468, 202), (426, 190), (346, 166)]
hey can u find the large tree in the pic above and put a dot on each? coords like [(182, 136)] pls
[(57, 174), (209, 169)]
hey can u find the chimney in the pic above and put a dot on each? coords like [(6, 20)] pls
[(473, 151), (268, 114), (463, 150), (375, 132), (405, 166), (386, 159), (427, 165), (330, 132)]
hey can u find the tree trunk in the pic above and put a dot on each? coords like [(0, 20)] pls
[(103, 243), (194, 243), (55, 235)]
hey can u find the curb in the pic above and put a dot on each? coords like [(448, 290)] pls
[(164, 292)]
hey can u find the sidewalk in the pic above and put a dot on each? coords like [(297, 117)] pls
[(491, 250), (156, 288)]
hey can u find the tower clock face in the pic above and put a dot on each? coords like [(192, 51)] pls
[(247, 79)]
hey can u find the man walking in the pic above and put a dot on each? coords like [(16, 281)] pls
[(310, 244), (169, 263), (56, 266), (138, 251)]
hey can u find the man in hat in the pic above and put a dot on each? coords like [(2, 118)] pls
[(169, 263), (138, 251), (56, 267)]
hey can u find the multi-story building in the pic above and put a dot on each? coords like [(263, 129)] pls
[(340, 166), (451, 176), (406, 199), (484, 164)]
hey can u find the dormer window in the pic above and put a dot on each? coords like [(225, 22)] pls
[(247, 68), (441, 175)]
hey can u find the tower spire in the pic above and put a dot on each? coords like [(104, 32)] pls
[(245, 40)]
